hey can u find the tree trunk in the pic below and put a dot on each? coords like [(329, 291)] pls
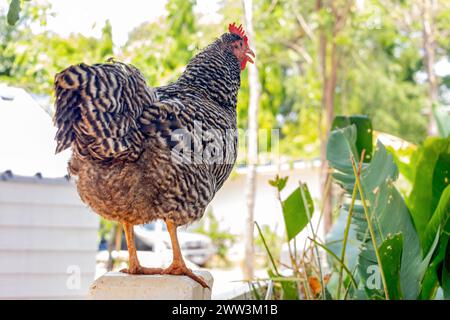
[(329, 73), (324, 124), (252, 151), (329, 89), (428, 12)]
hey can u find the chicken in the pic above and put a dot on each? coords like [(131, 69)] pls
[(142, 153)]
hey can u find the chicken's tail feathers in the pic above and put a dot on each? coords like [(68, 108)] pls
[(97, 108), (67, 106)]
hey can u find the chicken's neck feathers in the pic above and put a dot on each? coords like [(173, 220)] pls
[(214, 72)]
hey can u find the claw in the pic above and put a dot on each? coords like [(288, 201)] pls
[(142, 270), (178, 270)]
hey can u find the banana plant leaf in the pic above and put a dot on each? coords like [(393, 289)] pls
[(445, 278), (335, 237), (437, 274), (391, 256), (432, 177), (363, 133), (430, 282), (440, 220), (388, 211), (428, 170)]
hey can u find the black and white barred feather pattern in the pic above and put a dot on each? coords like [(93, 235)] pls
[(121, 132), (97, 110)]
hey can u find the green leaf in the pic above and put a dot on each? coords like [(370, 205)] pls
[(445, 280), (391, 256), (278, 182), (340, 148), (340, 122), (406, 161), (364, 133), (432, 176), (430, 281), (387, 209), (13, 12), (335, 237), (295, 212), (440, 220)]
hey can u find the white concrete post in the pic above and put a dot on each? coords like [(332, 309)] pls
[(120, 286)]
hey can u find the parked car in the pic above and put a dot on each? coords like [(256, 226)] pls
[(154, 237), (196, 247)]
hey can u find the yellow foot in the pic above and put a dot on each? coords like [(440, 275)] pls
[(180, 269), (142, 270)]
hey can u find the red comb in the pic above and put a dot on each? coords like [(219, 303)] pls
[(232, 28)]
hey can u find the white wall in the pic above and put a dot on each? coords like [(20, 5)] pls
[(47, 238), (27, 143), (229, 204)]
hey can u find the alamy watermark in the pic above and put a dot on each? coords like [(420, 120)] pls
[(212, 146), (373, 281), (73, 281)]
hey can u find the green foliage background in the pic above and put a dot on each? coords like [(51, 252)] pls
[(380, 60)]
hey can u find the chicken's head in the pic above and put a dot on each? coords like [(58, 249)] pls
[(238, 42)]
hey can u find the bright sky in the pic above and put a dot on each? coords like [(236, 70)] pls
[(88, 16)]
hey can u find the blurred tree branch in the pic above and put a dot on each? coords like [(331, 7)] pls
[(428, 14)]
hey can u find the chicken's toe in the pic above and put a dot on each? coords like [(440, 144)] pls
[(142, 270), (182, 270)]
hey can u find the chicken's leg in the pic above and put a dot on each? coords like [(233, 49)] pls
[(178, 267), (133, 263)]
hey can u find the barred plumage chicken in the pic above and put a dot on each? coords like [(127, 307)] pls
[(141, 153)]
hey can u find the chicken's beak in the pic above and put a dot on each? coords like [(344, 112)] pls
[(251, 53)]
